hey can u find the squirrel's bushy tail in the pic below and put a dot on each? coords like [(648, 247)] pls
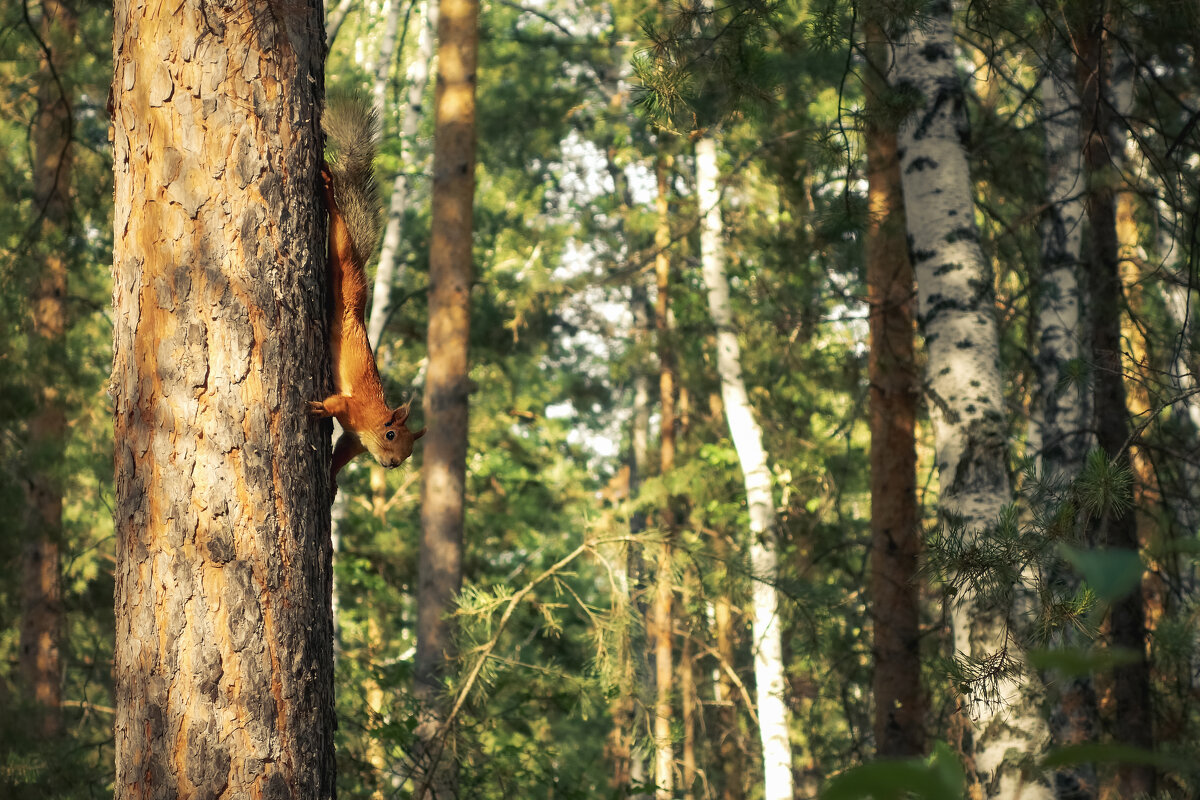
[(351, 129)]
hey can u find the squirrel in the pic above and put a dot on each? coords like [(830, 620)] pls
[(348, 184)]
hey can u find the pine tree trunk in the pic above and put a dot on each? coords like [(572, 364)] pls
[(895, 517), (659, 630), (1131, 682), (728, 748), (386, 277), (223, 662), (40, 659), (747, 440), (447, 383), (955, 297), (1058, 430), (620, 749), (687, 690)]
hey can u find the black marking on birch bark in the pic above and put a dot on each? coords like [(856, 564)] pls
[(921, 163), (933, 51), (947, 268), (921, 256), (963, 233), (982, 466)]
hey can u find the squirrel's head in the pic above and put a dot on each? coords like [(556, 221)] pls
[(390, 442)]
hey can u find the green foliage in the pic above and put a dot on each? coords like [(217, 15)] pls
[(939, 777)]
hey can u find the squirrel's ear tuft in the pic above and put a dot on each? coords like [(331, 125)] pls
[(399, 415), (418, 434)]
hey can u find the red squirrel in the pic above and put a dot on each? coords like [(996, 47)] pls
[(348, 183)]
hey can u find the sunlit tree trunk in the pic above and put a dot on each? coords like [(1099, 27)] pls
[(660, 626), (747, 440), (1131, 682), (955, 296), (41, 583), (895, 517), (728, 735), (447, 384), (1059, 427), (687, 689), (387, 275), (223, 664), (635, 667)]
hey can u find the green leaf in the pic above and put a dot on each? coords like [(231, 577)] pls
[(940, 777), (1075, 661), (1095, 753), (1111, 573)]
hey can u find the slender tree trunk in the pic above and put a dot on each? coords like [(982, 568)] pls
[(626, 765), (728, 745), (747, 440), (386, 277), (661, 621), (447, 383), (40, 659), (955, 296), (385, 56), (1131, 682), (1058, 430), (640, 466), (334, 17), (895, 517), (687, 689), (223, 661)]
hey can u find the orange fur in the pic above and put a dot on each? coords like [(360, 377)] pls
[(358, 403)]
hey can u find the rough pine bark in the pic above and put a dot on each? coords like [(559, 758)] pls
[(895, 516), (386, 277), (769, 675), (447, 384), (659, 629), (40, 659), (1059, 429), (964, 388), (223, 663), (1127, 625)]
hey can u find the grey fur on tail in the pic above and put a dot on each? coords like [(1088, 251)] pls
[(351, 129)]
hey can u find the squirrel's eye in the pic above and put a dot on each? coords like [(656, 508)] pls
[(391, 435)]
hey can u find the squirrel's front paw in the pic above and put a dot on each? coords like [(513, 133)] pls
[(317, 409)]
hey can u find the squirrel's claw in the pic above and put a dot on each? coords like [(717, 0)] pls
[(317, 409)]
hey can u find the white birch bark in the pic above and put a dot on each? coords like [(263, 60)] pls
[(955, 300), (387, 53), (386, 277), (1059, 418), (747, 440), (1059, 428), (334, 17)]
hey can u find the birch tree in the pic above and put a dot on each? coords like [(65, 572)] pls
[(1058, 429), (963, 382), (386, 277), (747, 440), (447, 385), (223, 661)]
